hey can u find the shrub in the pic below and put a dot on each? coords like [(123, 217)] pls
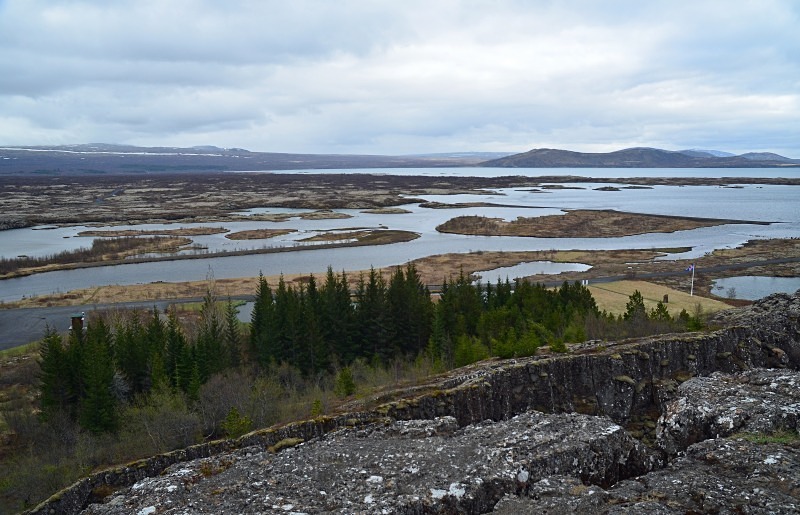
[(469, 350), (345, 384), (236, 425)]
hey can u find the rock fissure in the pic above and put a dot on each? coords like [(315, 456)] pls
[(534, 434)]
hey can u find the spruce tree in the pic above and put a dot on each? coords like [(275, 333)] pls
[(262, 323), (174, 350), (337, 317), (317, 353), (156, 339), (634, 308), (410, 310), (440, 347), (131, 354), (211, 354), (98, 406), (232, 334), (373, 318), (57, 393)]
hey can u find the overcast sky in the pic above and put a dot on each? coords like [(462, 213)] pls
[(403, 76)]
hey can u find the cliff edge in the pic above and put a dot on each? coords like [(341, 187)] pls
[(658, 425)]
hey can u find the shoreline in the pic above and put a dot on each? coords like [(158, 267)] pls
[(777, 257), (379, 237)]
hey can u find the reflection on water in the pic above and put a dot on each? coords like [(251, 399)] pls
[(754, 287)]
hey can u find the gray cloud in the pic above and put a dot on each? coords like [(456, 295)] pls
[(400, 77)]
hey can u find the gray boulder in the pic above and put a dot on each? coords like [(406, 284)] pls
[(402, 467), (754, 401), (714, 476)]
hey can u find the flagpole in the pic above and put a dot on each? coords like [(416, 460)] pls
[(691, 291)]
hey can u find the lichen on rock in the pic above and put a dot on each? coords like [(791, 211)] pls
[(505, 435)]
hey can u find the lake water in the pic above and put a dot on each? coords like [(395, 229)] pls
[(528, 269), (753, 287), (766, 203), (577, 172)]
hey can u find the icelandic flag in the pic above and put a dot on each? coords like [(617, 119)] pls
[(691, 268)]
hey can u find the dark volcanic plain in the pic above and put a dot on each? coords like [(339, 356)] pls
[(28, 200)]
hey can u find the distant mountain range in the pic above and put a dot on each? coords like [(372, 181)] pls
[(641, 158), (101, 158)]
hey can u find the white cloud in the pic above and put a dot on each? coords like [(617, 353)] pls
[(400, 77)]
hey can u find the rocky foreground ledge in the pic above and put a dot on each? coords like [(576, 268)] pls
[(547, 435)]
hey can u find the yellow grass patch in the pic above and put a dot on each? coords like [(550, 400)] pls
[(258, 234), (612, 297)]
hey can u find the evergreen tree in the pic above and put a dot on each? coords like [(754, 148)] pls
[(440, 346), (282, 346), (211, 354), (316, 352), (635, 315), (57, 394), (185, 370), (634, 308), (262, 323), (468, 350), (373, 318), (131, 354), (156, 338), (462, 303), (338, 317), (174, 350), (233, 335), (345, 383), (194, 382), (410, 310), (660, 313), (98, 406), (75, 355), (235, 424)]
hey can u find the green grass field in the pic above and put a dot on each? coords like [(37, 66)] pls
[(612, 297)]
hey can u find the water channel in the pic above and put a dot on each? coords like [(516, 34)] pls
[(753, 287), (766, 203)]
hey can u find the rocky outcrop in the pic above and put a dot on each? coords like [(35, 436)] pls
[(714, 476), (532, 463), (600, 385), (755, 401), (756, 470), (623, 380), (401, 467)]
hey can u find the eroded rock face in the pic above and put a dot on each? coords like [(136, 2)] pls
[(755, 401), (714, 476), (401, 467), (456, 460)]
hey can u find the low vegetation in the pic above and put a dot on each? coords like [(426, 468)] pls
[(183, 231), (258, 234), (134, 384), (576, 224), (786, 437), (101, 250)]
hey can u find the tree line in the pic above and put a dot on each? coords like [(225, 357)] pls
[(138, 383), (321, 330)]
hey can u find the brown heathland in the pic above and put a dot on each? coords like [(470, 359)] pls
[(582, 223), (258, 234)]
